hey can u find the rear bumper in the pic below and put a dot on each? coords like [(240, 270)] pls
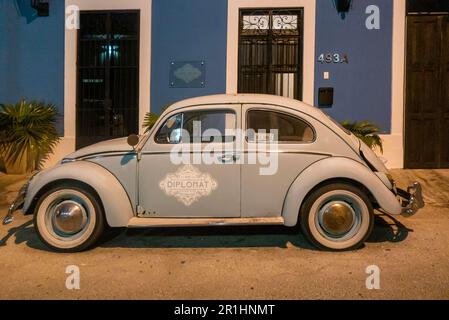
[(411, 200)]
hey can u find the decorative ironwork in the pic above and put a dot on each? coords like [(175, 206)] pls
[(262, 22), (255, 22), (270, 52), (285, 22)]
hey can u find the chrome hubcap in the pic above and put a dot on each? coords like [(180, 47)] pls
[(337, 218), (69, 218)]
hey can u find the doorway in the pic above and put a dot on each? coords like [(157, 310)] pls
[(107, 104), (427, 87)]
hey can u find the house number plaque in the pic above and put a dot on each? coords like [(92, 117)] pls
[(335, 58)]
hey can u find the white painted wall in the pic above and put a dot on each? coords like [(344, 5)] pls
[(394, 142)]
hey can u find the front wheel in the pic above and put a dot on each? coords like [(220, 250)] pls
[(69, 218), (337, 217)]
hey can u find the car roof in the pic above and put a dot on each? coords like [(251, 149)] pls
[(222, 99), (248, 99)]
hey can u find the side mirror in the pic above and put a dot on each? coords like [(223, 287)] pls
[(133, 140)]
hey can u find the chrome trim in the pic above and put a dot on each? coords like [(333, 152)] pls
[(69, 218), (17, 204), (144, 222), (68, 160), (19, 201), (412, 199)]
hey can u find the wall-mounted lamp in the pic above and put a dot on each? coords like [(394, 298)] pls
[(42, 7), (343, 6)]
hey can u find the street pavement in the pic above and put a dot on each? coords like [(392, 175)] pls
[(412, 255)]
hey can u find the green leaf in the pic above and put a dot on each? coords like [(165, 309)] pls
[(28, 131), (366, 131), (151, 118), (149, 121)]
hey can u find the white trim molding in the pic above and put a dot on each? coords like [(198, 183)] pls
[(394, 142), (67, 145), (309, 7)]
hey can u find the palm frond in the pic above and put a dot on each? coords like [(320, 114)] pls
[(151, 118), (149, 121), (366, 131), (28, 132)]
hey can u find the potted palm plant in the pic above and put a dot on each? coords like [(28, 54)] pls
[(27, 135)]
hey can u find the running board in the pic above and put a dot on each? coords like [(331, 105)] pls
[(198, 222)]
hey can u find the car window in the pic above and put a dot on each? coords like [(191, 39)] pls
[(289, 128), (207, 126), (170, 132), (199, 126)]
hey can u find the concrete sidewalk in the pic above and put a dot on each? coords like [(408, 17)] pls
[(237, 263)]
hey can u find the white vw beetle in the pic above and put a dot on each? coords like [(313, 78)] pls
[(311, 171)]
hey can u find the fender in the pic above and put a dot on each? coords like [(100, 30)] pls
[(116, 203), (334, 168)]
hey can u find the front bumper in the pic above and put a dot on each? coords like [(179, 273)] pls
[(411, 200), (17, 204)]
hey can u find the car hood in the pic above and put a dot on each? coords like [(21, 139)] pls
[(109, 146)]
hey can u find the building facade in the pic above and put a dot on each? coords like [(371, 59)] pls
[(114, 60)]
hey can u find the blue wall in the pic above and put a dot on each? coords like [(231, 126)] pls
[(32, 54), (187, 30), (196, 30), (363, 86)]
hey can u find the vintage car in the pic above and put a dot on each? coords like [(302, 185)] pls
[(217, 161)]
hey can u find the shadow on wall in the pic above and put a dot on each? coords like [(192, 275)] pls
[(25, 10)]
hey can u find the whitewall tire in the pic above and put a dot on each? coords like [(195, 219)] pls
[(337, 216), (69, 218)]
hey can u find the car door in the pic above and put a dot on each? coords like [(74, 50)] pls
[(279, 144), (188, 166)]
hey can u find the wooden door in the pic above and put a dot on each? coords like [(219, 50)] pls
[(427, 92)]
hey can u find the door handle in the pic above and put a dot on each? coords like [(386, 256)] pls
[(228, 157)]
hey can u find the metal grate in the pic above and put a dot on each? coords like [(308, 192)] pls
[(270, 52), (108, 76)]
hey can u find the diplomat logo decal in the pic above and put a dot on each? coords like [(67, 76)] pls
[(188, 184)]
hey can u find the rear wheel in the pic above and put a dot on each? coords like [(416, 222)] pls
[(337, 216), (69, 218)]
